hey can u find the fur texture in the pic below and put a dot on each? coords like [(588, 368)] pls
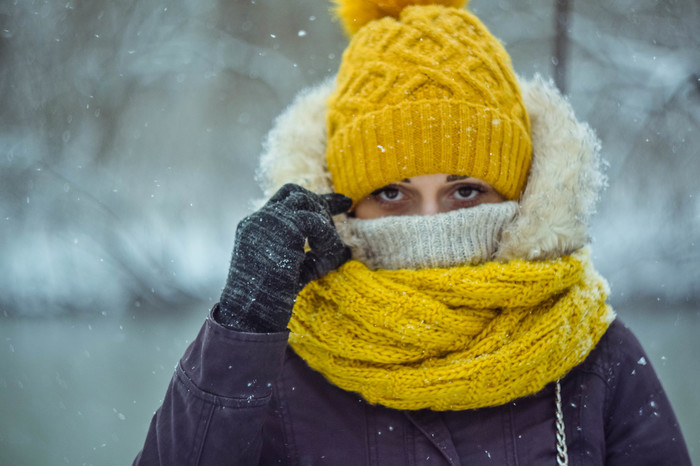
[(563, 185)]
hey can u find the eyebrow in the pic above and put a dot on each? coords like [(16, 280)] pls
[(449, 179)]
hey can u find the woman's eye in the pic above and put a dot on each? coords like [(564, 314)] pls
[(466, 193), (389, 194)]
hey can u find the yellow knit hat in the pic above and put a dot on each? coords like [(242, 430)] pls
[(424, 89)]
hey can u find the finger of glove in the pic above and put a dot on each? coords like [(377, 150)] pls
[(269, 231), (337, 203), (315, 266), (293, 197), (291, 220), (282, 207), (320, 232), (284, 192), (296, 198)]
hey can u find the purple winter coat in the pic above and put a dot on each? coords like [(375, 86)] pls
[(248, 399)]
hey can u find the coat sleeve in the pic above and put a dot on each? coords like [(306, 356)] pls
[(216, 403), (640, 426)]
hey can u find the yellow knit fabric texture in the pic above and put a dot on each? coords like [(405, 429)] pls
[(451, 339), (431, 92), (356, 13)]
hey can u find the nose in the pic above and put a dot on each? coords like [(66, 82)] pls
[(429, 207)]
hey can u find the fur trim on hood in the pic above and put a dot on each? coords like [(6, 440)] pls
[(563, 185)]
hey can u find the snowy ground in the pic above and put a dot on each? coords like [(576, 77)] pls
[(83, 392)]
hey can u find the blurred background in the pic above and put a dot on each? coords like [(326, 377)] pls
[(129, 137)]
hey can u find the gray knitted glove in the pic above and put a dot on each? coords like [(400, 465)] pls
[(269, 266)]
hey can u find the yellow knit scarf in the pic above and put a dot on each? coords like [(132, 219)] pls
[(451, 339)]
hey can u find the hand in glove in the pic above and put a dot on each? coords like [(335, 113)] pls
[(269, 266)]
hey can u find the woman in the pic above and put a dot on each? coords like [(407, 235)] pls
[(468, 327)]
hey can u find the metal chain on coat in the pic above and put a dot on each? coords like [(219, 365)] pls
[(562, 455)]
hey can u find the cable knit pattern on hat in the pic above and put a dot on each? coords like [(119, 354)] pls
[(432, 92), (460, 237)]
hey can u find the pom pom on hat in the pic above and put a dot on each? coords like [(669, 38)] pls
[(356, 13)]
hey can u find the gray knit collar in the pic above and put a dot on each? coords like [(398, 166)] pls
[(460, 237)]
